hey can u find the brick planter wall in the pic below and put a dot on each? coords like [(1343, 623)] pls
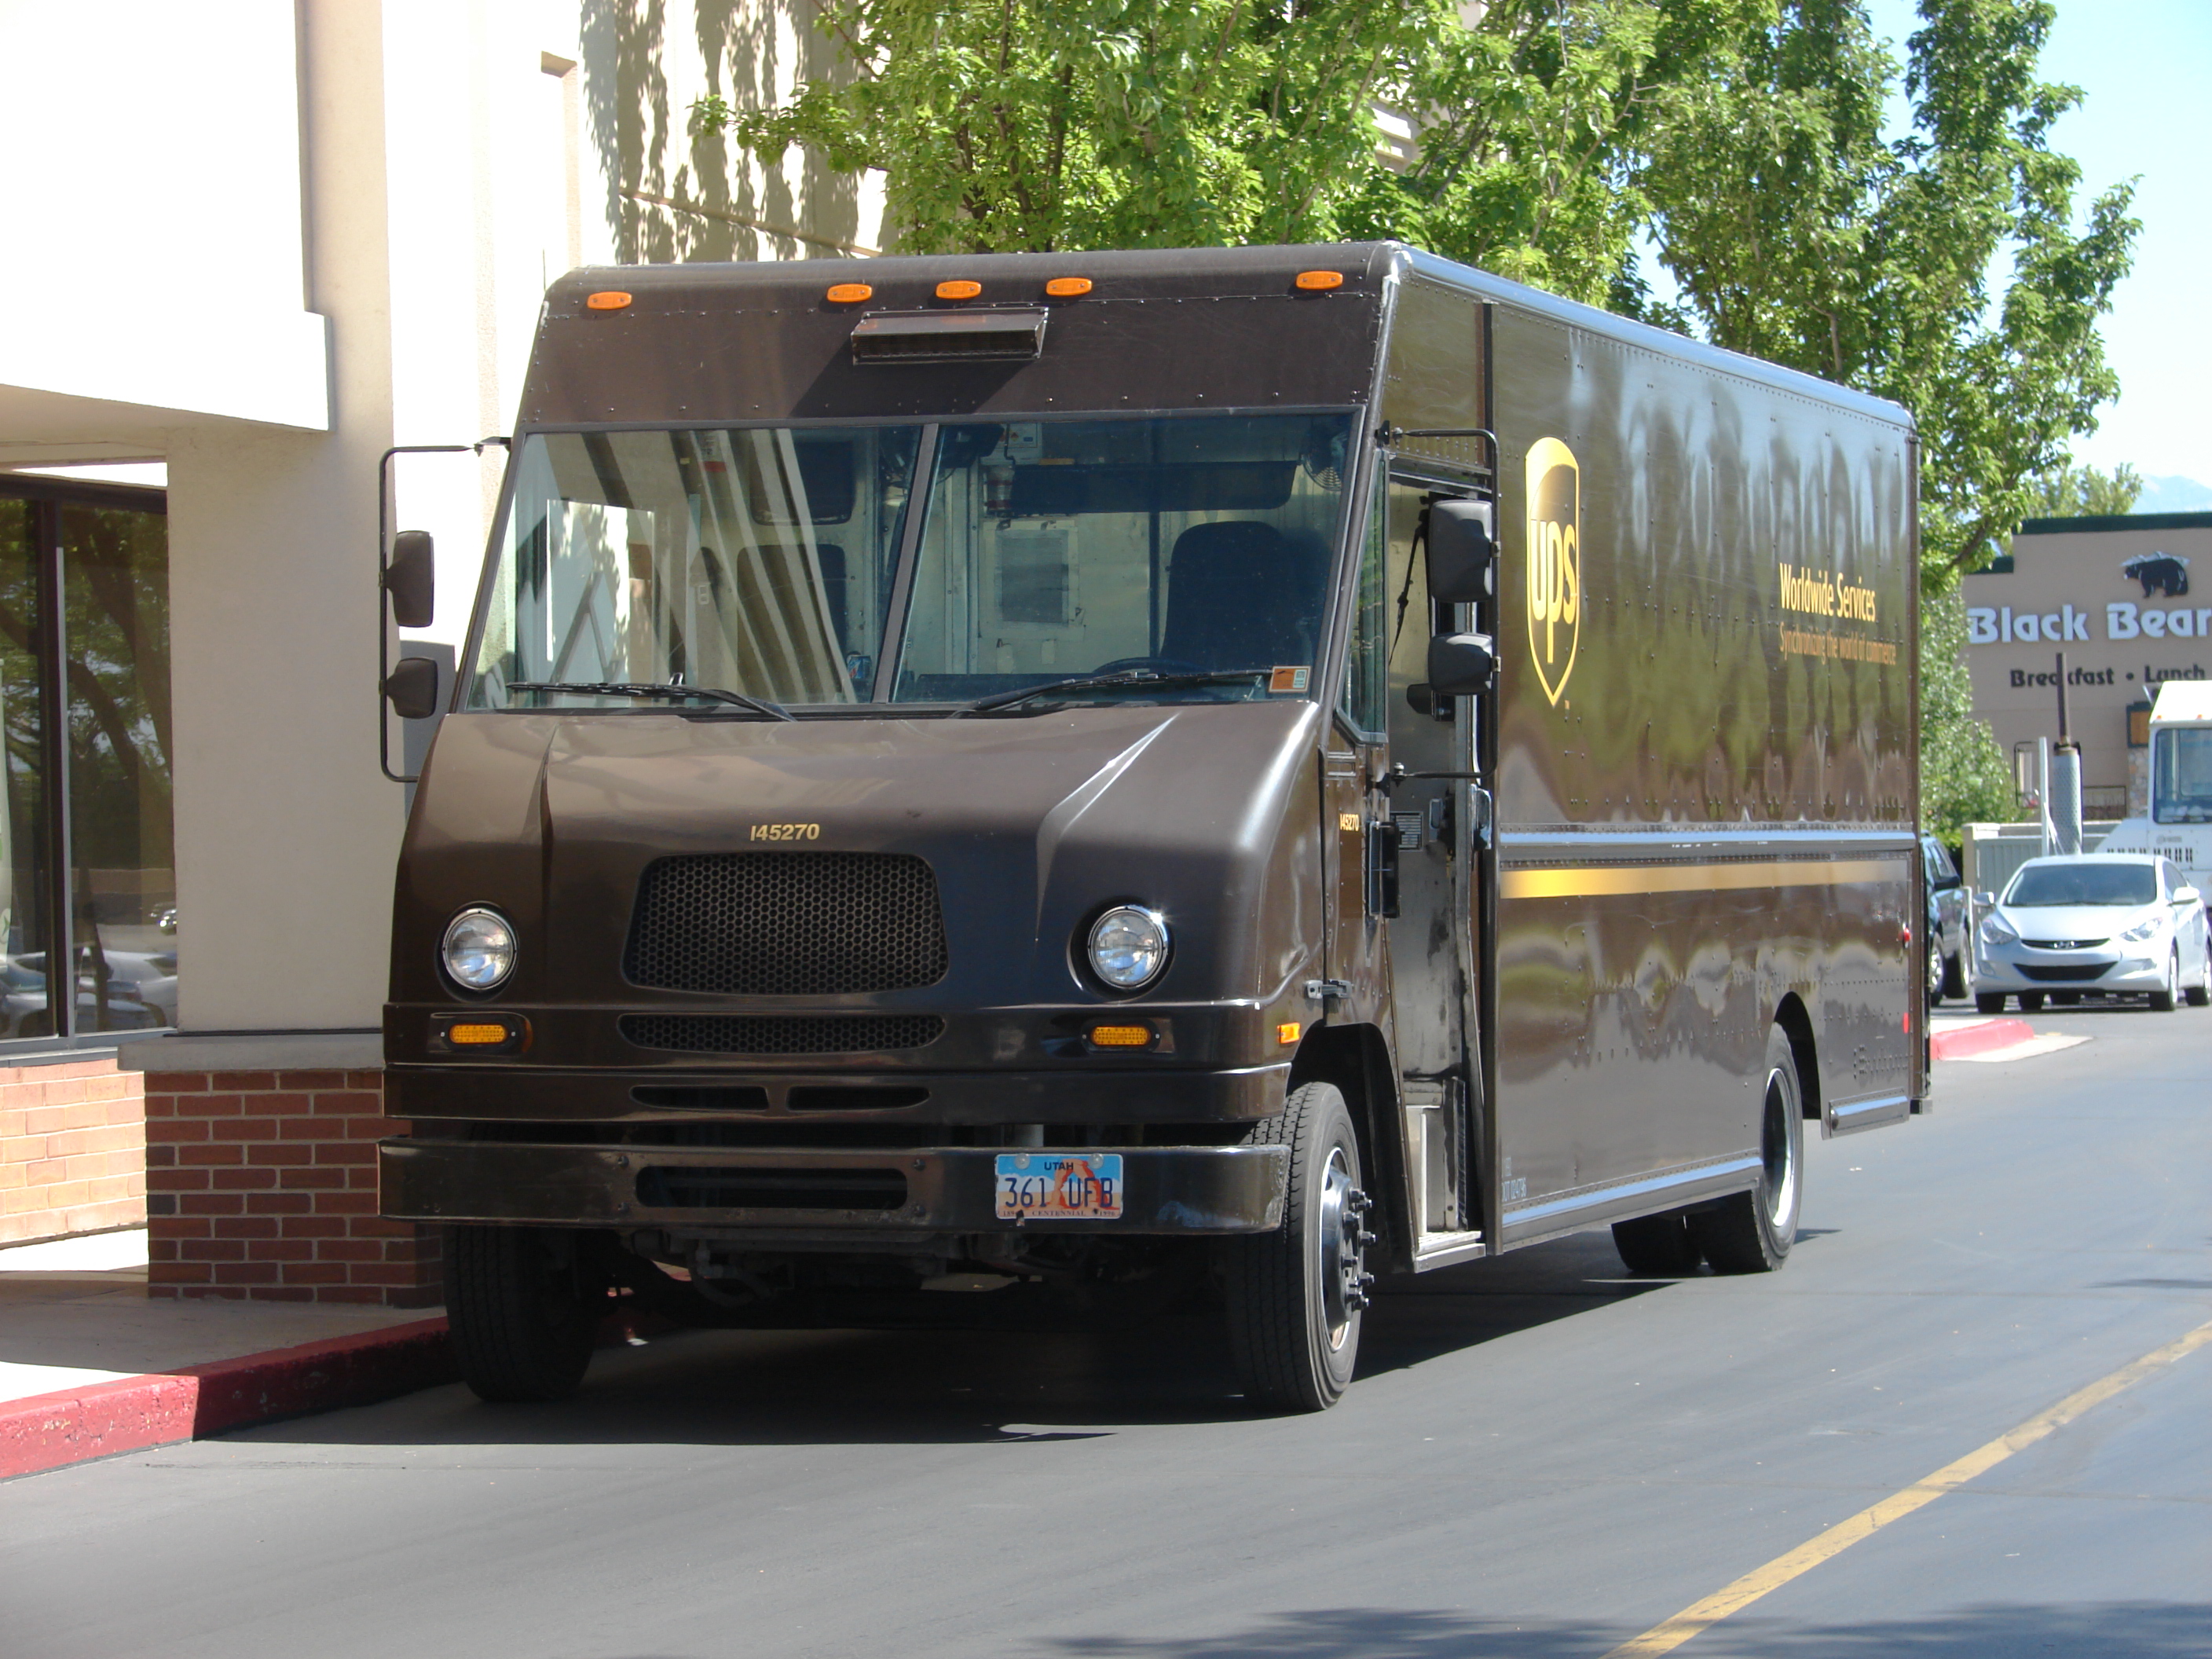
[(262, 1185), (72, 1149)]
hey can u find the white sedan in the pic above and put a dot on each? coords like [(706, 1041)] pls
[(2093, 924)]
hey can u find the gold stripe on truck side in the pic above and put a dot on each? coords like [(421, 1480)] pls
[(1589, 881)]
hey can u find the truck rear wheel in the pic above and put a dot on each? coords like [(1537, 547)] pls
[(1752, 1232), (1657, 1244), (1295, 1295), (520, 1318)]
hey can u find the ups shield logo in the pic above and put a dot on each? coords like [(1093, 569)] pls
[(1554, 585)]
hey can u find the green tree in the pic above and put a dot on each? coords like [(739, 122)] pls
[(1940, 269), (1530, 119), (1077, 123), (1065, 124), (2083, 492), (1963, 776)]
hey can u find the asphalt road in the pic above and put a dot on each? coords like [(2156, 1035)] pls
[(1542, 1457)]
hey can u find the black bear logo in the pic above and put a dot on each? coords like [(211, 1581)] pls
[(2159, 573)]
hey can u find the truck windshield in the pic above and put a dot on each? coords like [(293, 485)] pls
[(2181, 776), (754, 561), (1188, 556), (1195, 547)]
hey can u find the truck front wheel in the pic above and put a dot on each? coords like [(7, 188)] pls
[(518, 1311), (1295, 1295)]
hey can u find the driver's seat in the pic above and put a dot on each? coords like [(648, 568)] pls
[(1242, 594)]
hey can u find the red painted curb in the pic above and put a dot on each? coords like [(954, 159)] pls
[(73, 1425), (1979, 1039)]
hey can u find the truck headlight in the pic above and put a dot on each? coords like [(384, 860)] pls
[(1996, 930), (1129, 946), (478, 953)]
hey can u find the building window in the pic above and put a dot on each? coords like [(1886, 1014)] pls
[(87, 865)]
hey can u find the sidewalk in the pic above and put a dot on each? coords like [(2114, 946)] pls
[(1992, 1039), (90, 1367)]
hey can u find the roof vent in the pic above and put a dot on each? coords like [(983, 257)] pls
[(1007, 335)]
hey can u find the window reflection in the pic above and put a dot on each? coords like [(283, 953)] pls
[(123, 886), (24, 856)]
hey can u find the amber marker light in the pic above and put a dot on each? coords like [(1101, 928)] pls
[(1067, 287), (476, 1036), (1289, 1031), (1121, 1036), (958, 290), (611, 300), (1320, 281), (850, 293)]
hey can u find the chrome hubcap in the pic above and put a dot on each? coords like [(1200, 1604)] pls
[(1781, 1167), (1343, 1242)]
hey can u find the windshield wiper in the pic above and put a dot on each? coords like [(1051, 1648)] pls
[(774, 711), (1145, 678)]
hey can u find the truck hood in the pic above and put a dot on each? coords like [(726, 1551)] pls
[(1207, 812)]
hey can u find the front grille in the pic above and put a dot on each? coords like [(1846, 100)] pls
[(2063, 943), (786, 924), (2072, 973), (781, 1034), (679, 1188)]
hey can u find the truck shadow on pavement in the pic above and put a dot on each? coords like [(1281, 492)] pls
[(2105, 1630), (956, 1385), (2130, 1630)]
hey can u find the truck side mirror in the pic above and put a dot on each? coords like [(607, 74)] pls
[(1460, 664), (412, 687), (411, 579), (1462, 551)]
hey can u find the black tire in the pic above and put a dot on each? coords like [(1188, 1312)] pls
[(1934, 975), (2199, 995), (1955, 975), (1295, 1295), (2031, 1002), (2165, 1002), (1988, 1002), (1752, 1232), (520, 1315), (1660, 1245)]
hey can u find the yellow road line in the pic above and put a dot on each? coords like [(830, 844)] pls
[(1587, 880), (1665, 1638)]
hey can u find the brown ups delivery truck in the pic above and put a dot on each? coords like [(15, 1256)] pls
[(1132, 776)]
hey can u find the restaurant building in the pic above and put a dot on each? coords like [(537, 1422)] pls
[(2128, 602), (257, 246)]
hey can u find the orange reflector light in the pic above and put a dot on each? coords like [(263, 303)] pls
[(850, 293), (1121, 1036), (1315, 282), (960, 291), (1066, 288), (470, 1037), (1289, 1031), (612, 300)]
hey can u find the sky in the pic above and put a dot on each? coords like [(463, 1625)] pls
[(2144, 67)]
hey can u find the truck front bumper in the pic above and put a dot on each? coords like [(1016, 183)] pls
[(1166, 1190)]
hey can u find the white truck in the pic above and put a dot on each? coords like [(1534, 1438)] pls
[(2180, 824)]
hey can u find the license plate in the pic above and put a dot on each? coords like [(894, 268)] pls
[(1059, 1186)]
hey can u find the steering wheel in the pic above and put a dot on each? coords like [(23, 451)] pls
[(1163, 665)]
